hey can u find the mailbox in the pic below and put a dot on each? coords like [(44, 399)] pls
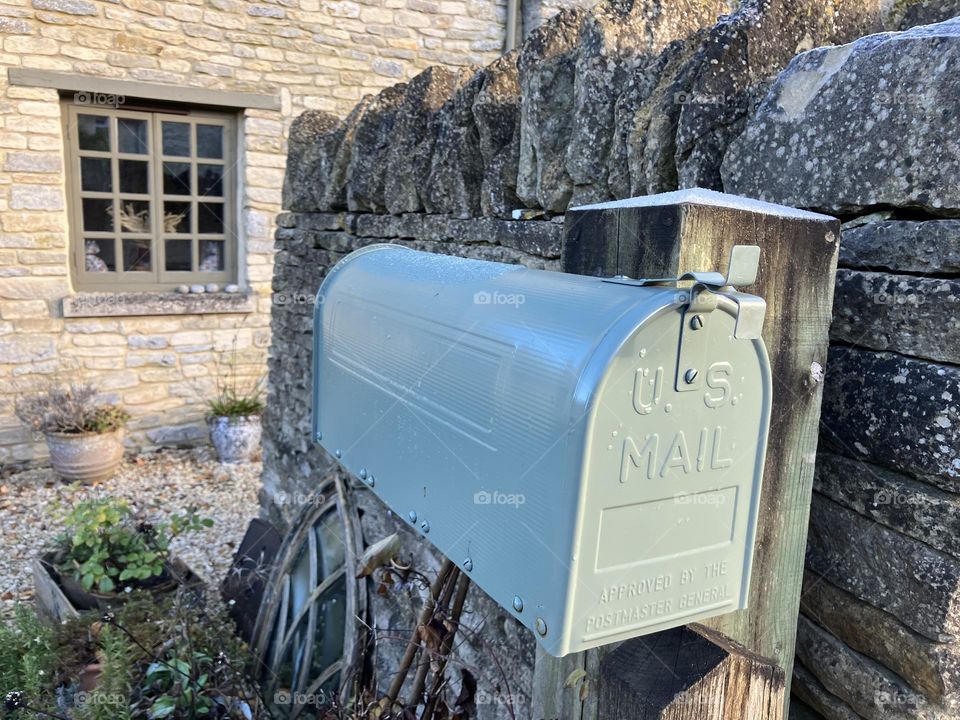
[(589, 450)]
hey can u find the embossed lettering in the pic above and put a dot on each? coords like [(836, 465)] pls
[(718, 381), (642, 384), (677, 455), (633, 457), (716, 462)]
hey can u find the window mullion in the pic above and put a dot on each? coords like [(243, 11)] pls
[(156, 197), (119, 261)]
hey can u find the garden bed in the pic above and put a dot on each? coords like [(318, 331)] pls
[(160, 483)]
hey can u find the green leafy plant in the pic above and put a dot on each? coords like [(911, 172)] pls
[(28, 658), (106, 544), (70, 408), (180, 684), (202, 672)]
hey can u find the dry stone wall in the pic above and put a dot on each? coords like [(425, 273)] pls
[(851, 130), (724, 103)]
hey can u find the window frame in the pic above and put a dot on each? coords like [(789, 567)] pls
[(158, 277)]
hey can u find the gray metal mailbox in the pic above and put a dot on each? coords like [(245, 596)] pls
[(589, 450)]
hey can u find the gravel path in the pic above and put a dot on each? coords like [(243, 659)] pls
[(160, 484)]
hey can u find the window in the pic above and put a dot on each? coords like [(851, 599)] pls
[(151, 198), (306, 637)]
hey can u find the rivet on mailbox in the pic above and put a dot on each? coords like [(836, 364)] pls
[(593, 446)]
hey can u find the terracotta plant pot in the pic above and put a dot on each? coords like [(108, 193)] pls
[(236, 439), (85, 457)]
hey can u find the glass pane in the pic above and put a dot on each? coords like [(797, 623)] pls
[(330, 542), (93, 132), (135, 216), (176, 139), (211, 218), (331, 624), (210, 180), (209, 141), (179, 255), (99, 255), (97, 215), (133, 176), (176, 178), (300, 587), (136, 255), (95, 175), (176, 217), (287, 669), (132, 136), (211, 256)]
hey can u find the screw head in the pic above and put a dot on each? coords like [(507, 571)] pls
[(541, 626), (696, 322), (412, 515), (319, 436), (468, 564), (363, 473), (338, 453), (518, 603), (690, 375), (425, 526), (371, 481)]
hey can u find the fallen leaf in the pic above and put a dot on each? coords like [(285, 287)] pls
[(584, 690), (574, 677), (378, 555)]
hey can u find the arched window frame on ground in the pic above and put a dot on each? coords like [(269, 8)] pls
[(276, 631)]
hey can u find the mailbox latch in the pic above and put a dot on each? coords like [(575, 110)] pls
[(701, 298)]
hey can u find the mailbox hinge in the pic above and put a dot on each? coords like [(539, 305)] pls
[(701, 298)]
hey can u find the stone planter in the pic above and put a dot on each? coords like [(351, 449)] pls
[(61, 598), (237, 439), (85, 457)]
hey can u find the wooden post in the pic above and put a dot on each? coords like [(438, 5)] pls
[(662, 236), (689, 673)]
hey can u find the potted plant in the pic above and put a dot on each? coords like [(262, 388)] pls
[(234, 420), (105, 552), (84, 436)]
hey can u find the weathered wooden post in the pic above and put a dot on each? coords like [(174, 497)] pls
[(740, 664)]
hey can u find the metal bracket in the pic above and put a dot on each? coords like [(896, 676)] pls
[(742, 270), (695, 329)]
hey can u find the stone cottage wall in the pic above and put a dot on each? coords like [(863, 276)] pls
[(585, 111), (308, 53)]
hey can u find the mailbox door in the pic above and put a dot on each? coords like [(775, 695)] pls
[(672, 483)]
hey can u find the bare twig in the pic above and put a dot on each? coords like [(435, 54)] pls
[(445, 648), (414, 642)]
